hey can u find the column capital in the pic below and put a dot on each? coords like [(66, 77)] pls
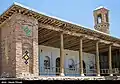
[(61, 32), (110, 44), (97, 40), (82, 36)]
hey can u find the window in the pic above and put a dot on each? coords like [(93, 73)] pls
[(71, 64), (47, 62)]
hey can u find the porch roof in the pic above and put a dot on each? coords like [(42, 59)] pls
[(58, 23)]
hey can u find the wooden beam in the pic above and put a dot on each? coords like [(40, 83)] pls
[(42, 31), (72, 45), (46, 35), (53, 41), (85, 45), (57, 40), (41, 41), (101, 48), (71, 42), (73, 33)]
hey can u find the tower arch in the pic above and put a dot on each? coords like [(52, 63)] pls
[(101, 19)]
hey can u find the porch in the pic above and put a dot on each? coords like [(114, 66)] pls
[(56, 37)]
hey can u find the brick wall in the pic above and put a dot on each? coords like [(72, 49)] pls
[(15, 40), (7, 40), (25, 42)]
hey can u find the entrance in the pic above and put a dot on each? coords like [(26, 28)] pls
[(84, 68), (58, 66)]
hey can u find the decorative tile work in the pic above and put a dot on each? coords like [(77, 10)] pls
[(25, 29), (17, 28), (103, 10), (26, 57)]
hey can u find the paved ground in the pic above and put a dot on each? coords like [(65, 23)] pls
[(64, 78)]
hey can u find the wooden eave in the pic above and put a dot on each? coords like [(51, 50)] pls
[(47, 20)]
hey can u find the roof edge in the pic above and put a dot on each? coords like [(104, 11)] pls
[(100, 7), (28, 8), (15, 3)]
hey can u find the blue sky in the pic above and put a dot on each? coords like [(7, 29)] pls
[(77, 11)]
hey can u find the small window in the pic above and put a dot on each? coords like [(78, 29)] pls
[(71, 64), (47, 62)]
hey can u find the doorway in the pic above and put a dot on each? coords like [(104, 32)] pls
[(58, 66), (84, 68)]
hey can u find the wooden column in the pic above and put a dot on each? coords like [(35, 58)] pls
[(97, 59), (110, 60), (61, 55), (80, 57)]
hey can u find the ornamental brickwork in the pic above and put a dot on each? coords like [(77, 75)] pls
[(18, 35)]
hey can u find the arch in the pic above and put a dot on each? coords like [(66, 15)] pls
[(47, 62), (84, 67), (71, 64), (99, 18), (27, 50), (58, 66), (27, 47)]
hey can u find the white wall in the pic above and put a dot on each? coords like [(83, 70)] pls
[(54, 53)]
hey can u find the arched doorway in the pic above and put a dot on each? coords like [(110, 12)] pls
[(47, 62), (84, 67), (58, 66), (71, 64)]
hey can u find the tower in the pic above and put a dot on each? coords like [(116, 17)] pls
[(101, 19)]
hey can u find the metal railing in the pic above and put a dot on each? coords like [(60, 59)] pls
[(49, 71), (53, 71), (114, 71)]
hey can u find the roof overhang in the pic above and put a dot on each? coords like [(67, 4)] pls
[(55, 22)]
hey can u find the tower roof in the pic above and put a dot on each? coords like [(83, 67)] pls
[(100, 7)]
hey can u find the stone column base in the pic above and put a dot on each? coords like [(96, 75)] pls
[(62, 74), (82, 75), (111, 74), (36, 74), (98, 74)]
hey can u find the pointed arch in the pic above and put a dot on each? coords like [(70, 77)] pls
[(47, 62), (71, 64)]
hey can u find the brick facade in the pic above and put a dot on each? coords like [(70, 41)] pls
[(103, 15), (19, 41), (15, 40)]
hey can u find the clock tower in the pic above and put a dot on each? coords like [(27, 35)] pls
[(101, 19)]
